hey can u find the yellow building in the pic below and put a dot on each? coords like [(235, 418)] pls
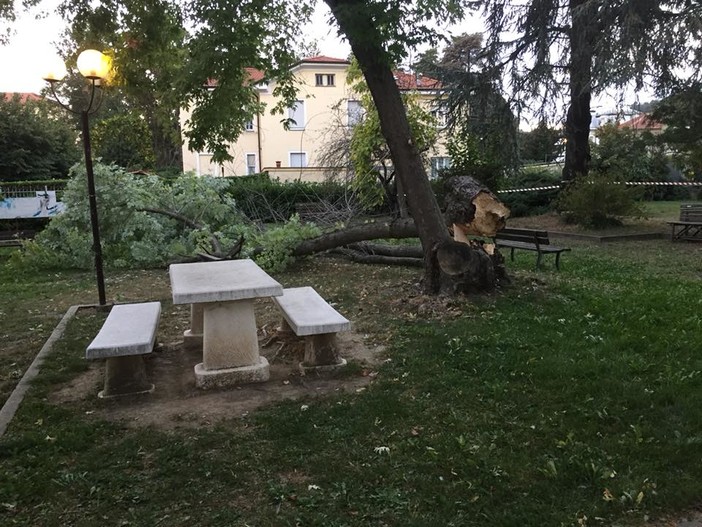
[(324, 101)]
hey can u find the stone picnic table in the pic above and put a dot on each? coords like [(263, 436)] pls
[(222, 318)]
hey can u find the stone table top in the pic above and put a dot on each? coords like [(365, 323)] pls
[(201, 282)]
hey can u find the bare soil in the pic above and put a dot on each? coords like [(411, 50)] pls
[(177, 403)]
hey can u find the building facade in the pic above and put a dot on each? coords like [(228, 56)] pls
[(324, 103)]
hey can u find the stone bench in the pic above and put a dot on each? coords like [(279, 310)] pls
[(129, 333), (308, 315)]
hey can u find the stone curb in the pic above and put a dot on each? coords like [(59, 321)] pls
[(640, 236), (12, 404)]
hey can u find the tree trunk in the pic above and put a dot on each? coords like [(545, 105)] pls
[(401, 199), (466, 265), (370, 231), (577, 125), (165, 141), (367, 45)]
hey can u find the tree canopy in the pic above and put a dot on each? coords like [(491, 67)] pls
[(34, 143), (546, 49), (682, 114), (147, 42)]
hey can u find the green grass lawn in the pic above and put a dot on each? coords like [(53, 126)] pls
[(664, 210), (567, 398)]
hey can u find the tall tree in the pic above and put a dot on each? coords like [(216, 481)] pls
[(147, 41), (427, 63), (483, 129), (379, 33), (585, 46), (540, 144), (34, 143), (682, 115)]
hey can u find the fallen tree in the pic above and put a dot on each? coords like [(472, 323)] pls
[(467, 263)]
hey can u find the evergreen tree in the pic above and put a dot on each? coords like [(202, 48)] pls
[(586, 46), (682, 115)]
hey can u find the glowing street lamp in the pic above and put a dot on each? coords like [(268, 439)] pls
[(94, 66)]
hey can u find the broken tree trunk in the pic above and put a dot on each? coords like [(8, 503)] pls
[(469, 266), (472, 209), (369, 43), (368, 231)]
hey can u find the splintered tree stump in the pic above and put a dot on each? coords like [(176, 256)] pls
[(466, 268), (472, 209), (471, 265)]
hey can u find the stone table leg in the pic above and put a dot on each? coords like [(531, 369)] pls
[(230, 346), (192, 338), (125, 376)]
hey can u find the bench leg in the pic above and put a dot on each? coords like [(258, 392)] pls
[(558, 257), (192, 338), (321, 350), (284, 330), (538, 259), (511, 253), (125, 376)]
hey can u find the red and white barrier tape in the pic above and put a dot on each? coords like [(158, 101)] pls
[(630, 183)]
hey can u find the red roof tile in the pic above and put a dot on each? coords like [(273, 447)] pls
[(325, 59), (254, 76), (23, 96), (642, 122), (411, 81)]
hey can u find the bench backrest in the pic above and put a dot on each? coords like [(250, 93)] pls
[(523, 235), (691, 212)]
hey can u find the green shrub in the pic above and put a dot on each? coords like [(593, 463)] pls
[(533, 202), (599, 201), (147, 221), (277, 243), (263, 199)]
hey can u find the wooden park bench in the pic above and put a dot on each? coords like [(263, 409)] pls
[(129, 333), (689, 226), (308, 315), (528, 240)]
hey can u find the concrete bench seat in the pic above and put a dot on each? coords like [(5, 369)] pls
[(129, 333), (308, 315)]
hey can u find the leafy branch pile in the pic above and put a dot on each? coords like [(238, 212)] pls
[(147, 221)]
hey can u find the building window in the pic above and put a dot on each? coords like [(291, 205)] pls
[(441, 118), (324, 79), (250, 164), (298, 159), (438, 164), (296, 114), (354, 112), (249, 127)]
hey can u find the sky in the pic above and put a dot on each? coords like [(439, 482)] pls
[(24, 60), (33, 45)]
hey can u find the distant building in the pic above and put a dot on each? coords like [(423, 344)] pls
[(22, 96), (324, 98), (643, 123)]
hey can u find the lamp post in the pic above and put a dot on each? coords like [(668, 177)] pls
[(94, 66)]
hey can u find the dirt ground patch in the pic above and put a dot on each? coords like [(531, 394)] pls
[(177, 403)]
